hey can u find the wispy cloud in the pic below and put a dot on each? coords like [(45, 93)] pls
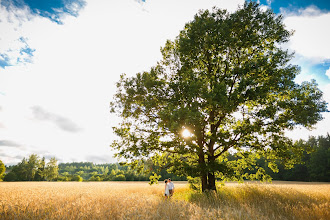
[(8, 143), (308, 11), (62, 122), (55, 10), (15, 158), (100, 159), (15, 48), (328, 73)]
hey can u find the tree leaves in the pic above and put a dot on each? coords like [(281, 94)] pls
[(226, 78)]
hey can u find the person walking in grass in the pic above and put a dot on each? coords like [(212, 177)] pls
[(167, 192), (170, 187)]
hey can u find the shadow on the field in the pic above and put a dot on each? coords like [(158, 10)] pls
[(265, 202)]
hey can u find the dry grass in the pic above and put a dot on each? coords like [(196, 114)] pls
[(138, 200)]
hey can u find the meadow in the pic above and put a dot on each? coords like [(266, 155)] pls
[(138, 200)]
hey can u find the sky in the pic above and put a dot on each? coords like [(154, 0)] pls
[(60, 60)]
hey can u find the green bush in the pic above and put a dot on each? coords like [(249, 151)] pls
[(63, 179), (119, 177), (77, 178), (11, 176), (95, 178)]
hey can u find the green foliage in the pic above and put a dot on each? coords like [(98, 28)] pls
[(33, 169), (119, 177), (319, 164), (195, 183), (314, 164), (63, 179), (307, 161), (154, 178), (77, 178), (32, 166), (41, 172), (2, 170), (10, 177), (227, 80), (51, 170), (95, 178)]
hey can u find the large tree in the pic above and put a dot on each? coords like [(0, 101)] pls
[(227, 80)]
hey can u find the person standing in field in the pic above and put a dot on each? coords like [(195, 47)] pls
[(167, 192), (170, 187)]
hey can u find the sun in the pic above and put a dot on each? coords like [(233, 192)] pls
[(186, 133)]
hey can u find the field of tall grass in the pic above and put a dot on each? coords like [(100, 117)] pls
[(138, 200)]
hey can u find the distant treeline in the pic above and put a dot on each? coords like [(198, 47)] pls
[(315, 166), (106, 172), (36, 169)]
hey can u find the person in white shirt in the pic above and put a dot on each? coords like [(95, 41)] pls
[(170, 187)]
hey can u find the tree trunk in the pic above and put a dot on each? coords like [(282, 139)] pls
[(204, 182), (211, 182), (210, 175), (208, 182), (202, 165)]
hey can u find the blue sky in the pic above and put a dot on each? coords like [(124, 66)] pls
[(60, 59), (53, 9), (295, 5)]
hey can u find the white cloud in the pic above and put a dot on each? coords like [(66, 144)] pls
[(328, 73), (269, 2), (75, 67), (311, 37)]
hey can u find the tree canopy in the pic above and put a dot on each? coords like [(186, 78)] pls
[(227, 80)]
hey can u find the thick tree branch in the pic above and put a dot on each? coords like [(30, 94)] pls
[(234, 141)]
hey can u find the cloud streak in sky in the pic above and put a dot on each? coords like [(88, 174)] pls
[(63, 123), (8, 143)]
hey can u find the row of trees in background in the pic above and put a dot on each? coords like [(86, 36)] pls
[(33, 169), (107, 172), (36, 169), (314, 166)]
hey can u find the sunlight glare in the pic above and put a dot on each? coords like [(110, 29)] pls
[(186, 133)]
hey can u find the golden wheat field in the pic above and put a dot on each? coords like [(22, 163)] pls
[(138, 200)]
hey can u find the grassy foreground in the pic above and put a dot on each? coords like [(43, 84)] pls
[(138, 200)]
